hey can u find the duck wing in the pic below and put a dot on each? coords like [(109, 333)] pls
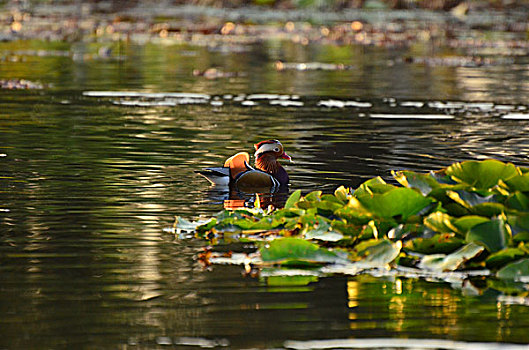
[(254, 180)]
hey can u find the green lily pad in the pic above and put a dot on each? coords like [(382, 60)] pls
[(504, 256), (440, 222), (376, 252), (423, 182), (342, 194), (519, 182), (399, 201), (451, 262), (184, 225), (518, 201), (296, 251), (293, 199), (373, 186), (314, 196), (465, 223), (482, 174), (354, 212), (328, 236), (470, 199), (321, 231), (492, 234), (442, 243), (477, 204), (517, 271)]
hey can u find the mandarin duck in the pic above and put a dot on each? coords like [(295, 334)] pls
[(267, 175)]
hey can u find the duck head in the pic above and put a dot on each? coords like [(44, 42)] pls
[(266, 155)]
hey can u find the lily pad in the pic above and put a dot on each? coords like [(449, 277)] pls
[(293, 199), (504, 256), (465, 223), (377, 252), (423, 182), (342, 194), (451, 262), (518, 201), (442, 243), (296, 251), (372, 186), (354, 212), (492, 234), (399, 201), (517, 271), (184, 225), (440, 222), (519, 182), (482, 174)]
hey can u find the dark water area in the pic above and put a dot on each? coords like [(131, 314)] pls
[(95, 166)]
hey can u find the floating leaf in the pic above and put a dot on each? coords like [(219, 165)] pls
[(372, 186), (342, 194), (327, 206), (398, 201), (469, 199), (443, 243), (296, 251), (465, 223), (354, 212), (451, 262), (184, 225), (517, 271), (328, 236), (518, 201), (423, 182), (377, 252), (488, 209), (504, 256), (440, 222), (519, 182), (313, 196), (293, 199), (482, 174), (492, 234)]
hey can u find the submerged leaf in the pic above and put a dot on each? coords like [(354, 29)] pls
[(296, 251), (451, 262)]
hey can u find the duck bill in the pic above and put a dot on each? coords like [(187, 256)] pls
[(286, 156)]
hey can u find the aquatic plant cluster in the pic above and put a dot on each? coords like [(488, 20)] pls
[(471, 218)]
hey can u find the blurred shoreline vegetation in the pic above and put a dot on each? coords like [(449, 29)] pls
[(326, 5)]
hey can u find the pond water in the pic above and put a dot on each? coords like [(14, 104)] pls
[(95, 166)]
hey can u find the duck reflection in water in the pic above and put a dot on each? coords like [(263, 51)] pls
[(237, 182)]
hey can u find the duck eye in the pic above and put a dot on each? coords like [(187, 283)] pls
[(276, 149)]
